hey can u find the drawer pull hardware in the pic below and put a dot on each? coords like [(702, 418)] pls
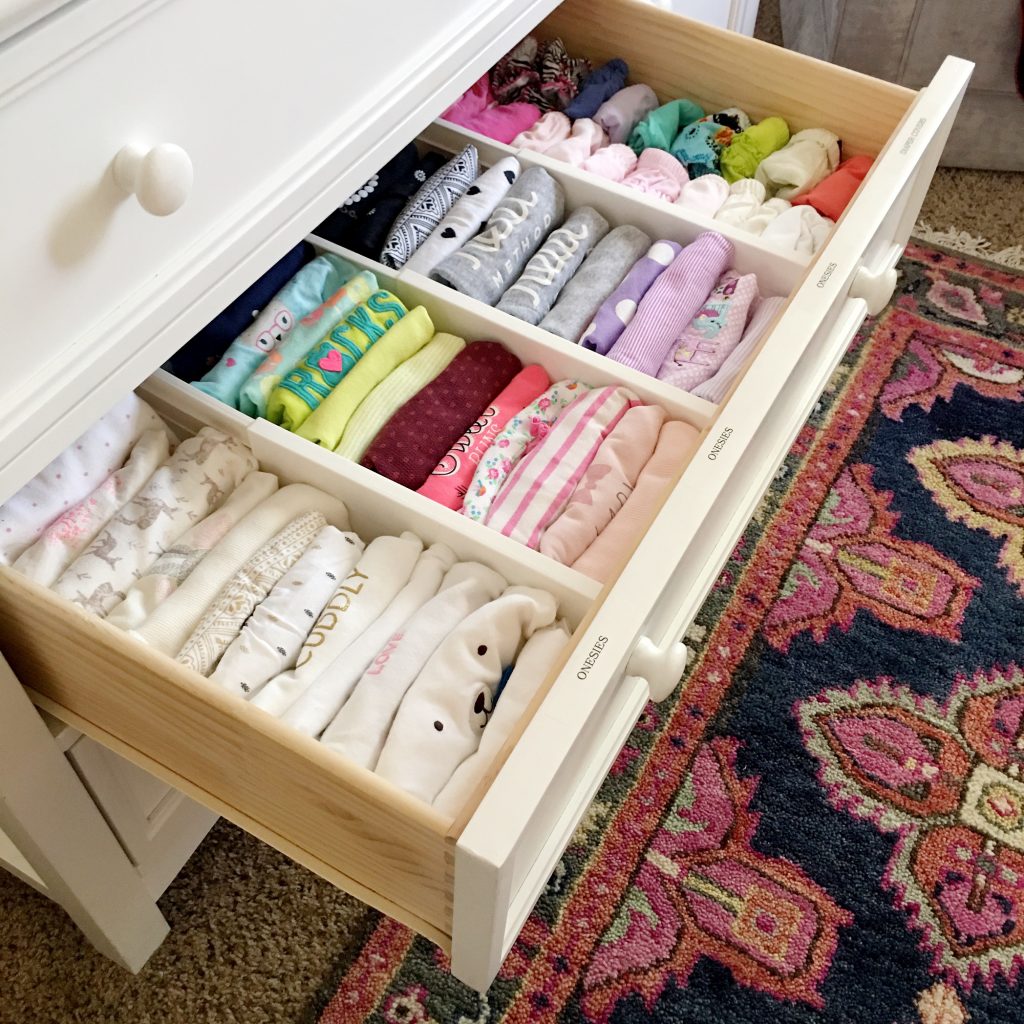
[(662, 667), (874, 288), (160, 178)]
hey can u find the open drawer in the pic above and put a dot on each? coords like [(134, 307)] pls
[(468, 884)]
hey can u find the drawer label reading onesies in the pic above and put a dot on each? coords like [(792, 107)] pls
[(591, 659), (720, 443)]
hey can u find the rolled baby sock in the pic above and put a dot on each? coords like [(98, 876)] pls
[(749, 148), (764, 215), (258, 387), (657, 173), (516, 71), (271, 639), (671, 303), (586, 138), (172, 568), (620, 114), (699, 145), (551, 128), (600, 85), (832, 194), (528, 426), (412, 443), (809, 157), (596, 279), (451, 477), (616, 312), (302, 390), (397, 388), (443, 713), (172, 621), (325, 426), (705, 194), (381, 572), (714, 390), (314, 283), (712, 334), (612, 162), (799, 229), (659, 129), (532, 666), (487, 264), (605, 556), (223, 619), (463, 220), (428, 207), (361, 726), (315, 708), (605, 485), (552, 265), (538, 488)]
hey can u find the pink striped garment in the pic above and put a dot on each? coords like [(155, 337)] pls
[(539, 487)]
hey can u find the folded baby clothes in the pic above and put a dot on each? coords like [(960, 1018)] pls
[(587, 137), (301, 295), (191, 484), (302, 390), (449, 481), (172, 568), (487, 264), (745, 198), (616, 312), (712, 334), (659, 129), (172, 621), (799, 229), (605, 556), (831, 195), (271, 639), (477, 110), (73, 474), (73, 531), (429, 206), (551, 128), (443, 714), (759, 219), (397, 388), (672, 302), (326, 424), (560, 77), (223, 619), (256, 391), (516, 71), (314, 709), (620, 114), (612, 162), (600, 85), (605, 485), (552, 265), (538, 488), (809, 157), (700, 145), (705, 194), (596, 279), (528, 426), (381, 572), (201, 352), (658, 174), (754, 144), (532, 666), (714, 390), (361, 726), (463, 220), (413, 441)]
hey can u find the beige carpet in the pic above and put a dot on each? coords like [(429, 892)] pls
[(255, 938)]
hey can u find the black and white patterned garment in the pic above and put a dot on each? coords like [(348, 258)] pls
[(428, 207)]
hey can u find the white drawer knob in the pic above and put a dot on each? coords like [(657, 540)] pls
[(160, 178), (662, 667)]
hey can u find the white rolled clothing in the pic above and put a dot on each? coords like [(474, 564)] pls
[(312, 712), (381, 572), (173, 621), (531, 669), (361, 726), (271, 640), (442, 716)]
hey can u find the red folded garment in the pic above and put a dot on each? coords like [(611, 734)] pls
[(829, 197)]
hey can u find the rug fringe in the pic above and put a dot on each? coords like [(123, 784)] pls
[(971, 245)]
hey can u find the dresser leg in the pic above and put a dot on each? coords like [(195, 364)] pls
[(48, 814)]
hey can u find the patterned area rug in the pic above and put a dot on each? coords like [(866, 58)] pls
[(825, 823)]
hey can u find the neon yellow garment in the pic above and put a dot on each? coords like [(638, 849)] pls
[(741, 157)]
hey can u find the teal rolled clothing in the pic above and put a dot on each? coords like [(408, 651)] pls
[(317, 280), (699, 146), (658, 130)]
